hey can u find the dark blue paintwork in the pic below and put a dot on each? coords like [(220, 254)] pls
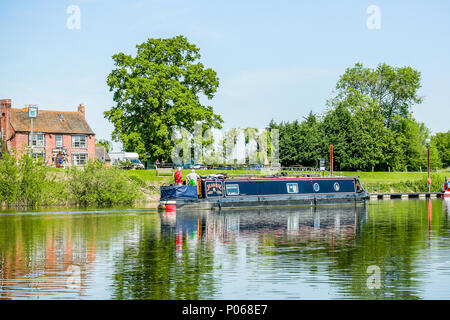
[(178, 192), (235, 188), (280, 187)]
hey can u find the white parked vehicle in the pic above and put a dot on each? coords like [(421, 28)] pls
[(118, 158), (198, 166)]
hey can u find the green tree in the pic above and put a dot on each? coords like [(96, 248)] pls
[(289, 141), (159, 90), (339, 129), (367, 150), (413, 141), (393, 89), (441, 142), (105, 143)]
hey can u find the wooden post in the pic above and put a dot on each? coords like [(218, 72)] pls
[(428, 169), (331, 160)]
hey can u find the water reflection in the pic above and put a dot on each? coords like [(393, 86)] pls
[(446, 206), (301, 223), (301, 253)]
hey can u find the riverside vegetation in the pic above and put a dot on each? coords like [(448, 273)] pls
[(27, 182)]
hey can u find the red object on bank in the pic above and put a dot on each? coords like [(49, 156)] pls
[(429, 180)]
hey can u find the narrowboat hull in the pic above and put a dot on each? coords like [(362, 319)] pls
[(237, 193)]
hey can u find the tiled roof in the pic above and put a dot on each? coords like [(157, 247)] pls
[(50, 121), (100, 152)]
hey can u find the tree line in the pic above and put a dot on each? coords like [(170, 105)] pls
[(370, 125), (368, 120)]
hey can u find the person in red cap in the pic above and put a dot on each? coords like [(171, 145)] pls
[(178, 177)]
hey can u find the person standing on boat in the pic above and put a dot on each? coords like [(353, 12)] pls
[(178, 177), (192, 178)]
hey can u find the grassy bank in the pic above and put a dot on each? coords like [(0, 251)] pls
[(382, 182)]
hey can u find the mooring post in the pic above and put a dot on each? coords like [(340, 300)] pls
[(331, 159), (428, 170)]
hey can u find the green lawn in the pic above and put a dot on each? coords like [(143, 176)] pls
[(385, 177)]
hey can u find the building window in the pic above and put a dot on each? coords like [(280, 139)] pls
[(292, 188), (79, 159), (232, 189), (38, 156), (59, 141), (38, 140), (79, 142)]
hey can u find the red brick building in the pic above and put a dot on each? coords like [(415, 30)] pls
[(52, 135)]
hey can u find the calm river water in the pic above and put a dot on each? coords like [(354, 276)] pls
[(398, 249)]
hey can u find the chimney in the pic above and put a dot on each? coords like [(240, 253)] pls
[(5, 115), (82, 110)]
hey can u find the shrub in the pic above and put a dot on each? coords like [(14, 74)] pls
[(24, 182), (9, 177), (97, 185)]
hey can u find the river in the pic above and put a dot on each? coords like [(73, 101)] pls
[(386, 249)]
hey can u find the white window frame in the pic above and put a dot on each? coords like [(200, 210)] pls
[(75, 159), (316, 187), (35, 135), (336, 186), (292, 184), (37, 155), (76, 139), (59, 145), (235, 185)]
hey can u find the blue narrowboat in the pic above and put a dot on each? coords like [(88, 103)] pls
[(221, 192)]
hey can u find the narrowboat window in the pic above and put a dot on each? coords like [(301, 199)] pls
[(292, 187), (337, 187), (316, 187), (232, 189)]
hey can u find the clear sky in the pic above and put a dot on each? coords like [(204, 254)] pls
[(275, 59)]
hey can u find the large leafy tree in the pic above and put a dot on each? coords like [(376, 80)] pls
[(157, 91), (394, 89)]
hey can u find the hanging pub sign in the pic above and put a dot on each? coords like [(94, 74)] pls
[(32, 111)]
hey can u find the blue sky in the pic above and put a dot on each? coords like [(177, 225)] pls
[(275, 59)]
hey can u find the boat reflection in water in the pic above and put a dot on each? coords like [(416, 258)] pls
[(446, 206), (302, 223)]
